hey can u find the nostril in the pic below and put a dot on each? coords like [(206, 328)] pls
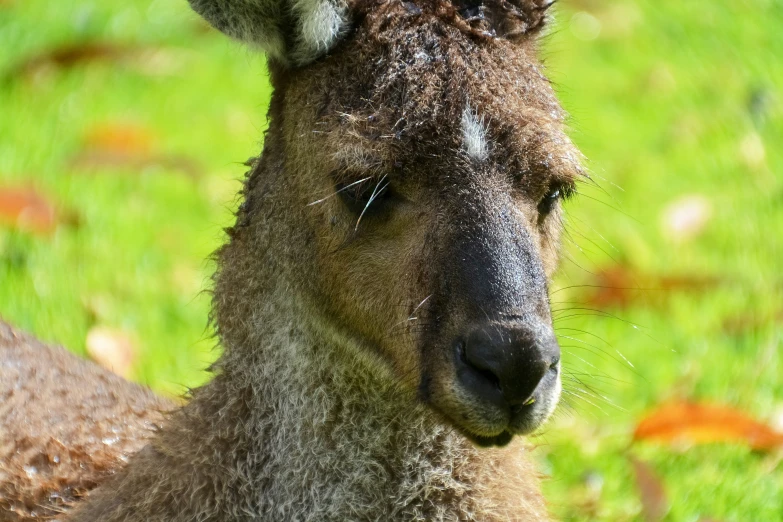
[(477, 364), (555, 362), (489, 376)]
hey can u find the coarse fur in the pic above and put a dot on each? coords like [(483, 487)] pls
[(382, 299), (53, 453)]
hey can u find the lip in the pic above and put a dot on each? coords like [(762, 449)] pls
[(495, 423)]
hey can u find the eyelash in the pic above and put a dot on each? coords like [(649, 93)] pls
[(553, 195)]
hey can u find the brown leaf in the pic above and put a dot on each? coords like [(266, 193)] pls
[(151, 61), (120, 139), (96, 160), (68, 56), (655, 504), (620, 286), (112, 349), (26, 209), (128, 146), (695, 423)]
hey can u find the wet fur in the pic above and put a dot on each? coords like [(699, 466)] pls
[(91, 423)]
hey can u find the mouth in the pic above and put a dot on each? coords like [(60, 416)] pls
[(522, 420), (520, 416), (475, 402), (485, 442)]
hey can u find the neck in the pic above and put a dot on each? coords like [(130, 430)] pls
[(295, 428), (342, 442)]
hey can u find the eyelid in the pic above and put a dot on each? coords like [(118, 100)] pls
[(564, 189)]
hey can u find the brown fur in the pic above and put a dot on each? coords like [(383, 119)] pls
[(93, 421), (335, 398)]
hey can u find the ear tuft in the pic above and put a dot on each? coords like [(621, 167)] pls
[(320, 23), (293, 32), (504, 18)]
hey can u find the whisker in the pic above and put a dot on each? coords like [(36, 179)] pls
[(338, 191), (374, 195)]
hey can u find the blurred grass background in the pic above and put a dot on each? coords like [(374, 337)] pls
[(132, 120)]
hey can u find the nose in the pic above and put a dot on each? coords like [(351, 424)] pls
[(504, 363)]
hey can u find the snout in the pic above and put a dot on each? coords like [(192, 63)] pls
[(505, 364), (494, 365), (507, 373)]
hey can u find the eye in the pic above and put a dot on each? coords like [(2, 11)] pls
[(366, 197), (550, 199)]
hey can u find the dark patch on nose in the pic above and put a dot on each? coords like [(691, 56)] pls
[(503, 364), (493, 265)]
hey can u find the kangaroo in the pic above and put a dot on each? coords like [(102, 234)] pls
[(382, 299)]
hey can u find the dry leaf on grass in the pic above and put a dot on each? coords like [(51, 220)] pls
[(620, 286), (68, 56), (120, 138), (128, 146), (655, 503), (693, 423), (151, 61), (112, 349), (25, 209)]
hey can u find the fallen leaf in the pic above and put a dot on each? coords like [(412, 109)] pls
[(26, 209), (112, 349), (655, 503), (152, 61), (120, 138), (686, 218), (127, 146), (68, 56), (696, 423), (92, 160), (620, 286)]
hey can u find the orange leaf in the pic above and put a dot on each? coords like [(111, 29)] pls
[(120, 139), (705, 423), (69, 56), (620, 286), (655, 504), (26, 209)]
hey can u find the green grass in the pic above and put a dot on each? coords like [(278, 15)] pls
[(669, 99)]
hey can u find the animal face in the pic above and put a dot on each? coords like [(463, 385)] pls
[(431, 167), (426, 162)]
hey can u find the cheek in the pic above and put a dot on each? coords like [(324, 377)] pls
[(373, 281), (549, 244)]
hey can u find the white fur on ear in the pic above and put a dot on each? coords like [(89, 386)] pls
[(320, 25), (314, 25)]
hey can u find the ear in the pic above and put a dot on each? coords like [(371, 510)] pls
[(294, 32), (508, 19)]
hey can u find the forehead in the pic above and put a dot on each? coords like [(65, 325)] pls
[(418, 87)]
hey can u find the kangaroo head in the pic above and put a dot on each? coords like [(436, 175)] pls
[(414, 170)]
